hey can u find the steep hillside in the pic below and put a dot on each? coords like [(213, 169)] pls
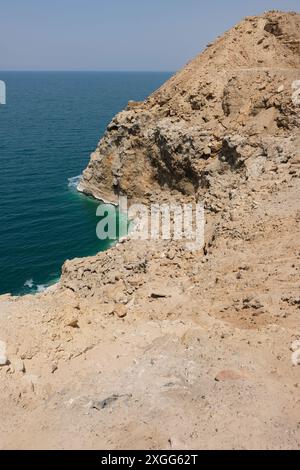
[(238, 89)]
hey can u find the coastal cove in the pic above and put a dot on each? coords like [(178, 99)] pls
[(48, 128)]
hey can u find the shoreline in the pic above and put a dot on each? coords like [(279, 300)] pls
[(53, 286)]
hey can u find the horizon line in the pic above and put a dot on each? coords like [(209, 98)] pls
[(93, 71)]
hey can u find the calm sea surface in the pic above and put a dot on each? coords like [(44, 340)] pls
[(51, 123)]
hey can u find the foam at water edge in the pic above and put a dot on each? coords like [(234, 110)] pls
[(29, 283), (32, 288), (41, 288), (74, 181)]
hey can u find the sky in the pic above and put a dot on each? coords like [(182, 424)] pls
[(139, 35)]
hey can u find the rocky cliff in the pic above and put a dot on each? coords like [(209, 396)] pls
[(149, 345), (223, 110)]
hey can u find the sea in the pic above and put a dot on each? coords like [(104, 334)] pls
[(50, 124)]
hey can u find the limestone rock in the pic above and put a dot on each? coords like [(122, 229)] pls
[(3, 355), (204, 114)]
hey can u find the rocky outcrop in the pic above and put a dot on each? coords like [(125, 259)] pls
[(239, 88)]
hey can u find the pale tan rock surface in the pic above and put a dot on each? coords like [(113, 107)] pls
[(149, 345), (238, 88)]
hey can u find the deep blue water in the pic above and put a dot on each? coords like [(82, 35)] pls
[(51, 123)]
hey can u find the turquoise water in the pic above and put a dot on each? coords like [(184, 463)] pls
[(51, 123)]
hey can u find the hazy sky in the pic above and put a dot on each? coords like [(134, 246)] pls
[(116, 34)]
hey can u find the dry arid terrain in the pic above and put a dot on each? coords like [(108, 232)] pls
[(149, 345)]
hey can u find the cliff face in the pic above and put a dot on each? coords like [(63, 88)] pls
[(225, 106)]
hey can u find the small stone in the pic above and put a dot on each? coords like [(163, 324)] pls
[(121, 299), (54, 367), (3, 355), (161, 294), (20, 366), (107, 309), (101, 405), (296, 358), (3, 360), (256, 304), (207, 151), (250, 302), (171, 254), (120, 310), (295, 160), (73, 323), (244, 267), (226, 375), (295, 346)]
